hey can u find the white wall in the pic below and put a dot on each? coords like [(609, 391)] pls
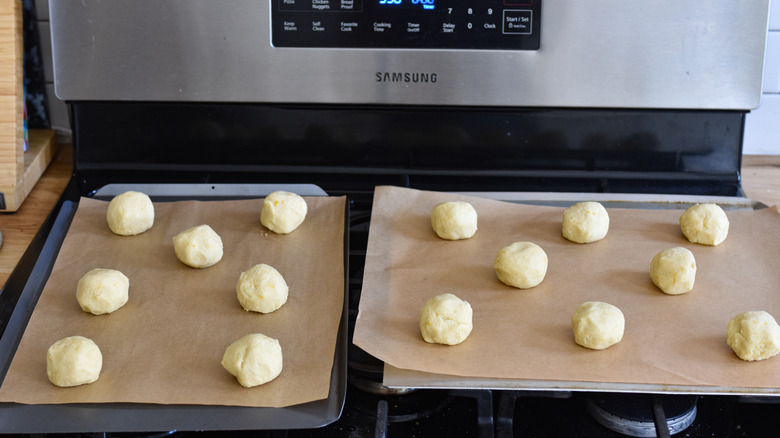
[(762, 128)]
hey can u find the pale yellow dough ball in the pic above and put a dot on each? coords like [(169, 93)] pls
[(597, 325), (73, 361), (283, 212), (706, 224), (130, 213), (445, 319), (254, 359), (102, 291), (522, 265), (262, 289), (585, 222), (454, 220), (673, 270), (753, 335), (199, 247)]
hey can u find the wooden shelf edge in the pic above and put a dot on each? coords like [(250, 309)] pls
[(43, 148)]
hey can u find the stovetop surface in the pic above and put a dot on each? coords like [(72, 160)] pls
[(433, 412), (603, 151)]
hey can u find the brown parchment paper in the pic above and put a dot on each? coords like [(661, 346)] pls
[(526, 334), (166, 344)]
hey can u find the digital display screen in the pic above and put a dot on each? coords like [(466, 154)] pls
[(425, 4)]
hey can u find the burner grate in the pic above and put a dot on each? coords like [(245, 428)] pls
[(533, 414)]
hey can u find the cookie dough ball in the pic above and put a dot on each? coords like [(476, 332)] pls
[(102, 291), (261, 289), (585, 222), (130, 213), (254, 359), (445, 319), (706, 224), (73, 361), (522, 265), (753, 335), (454, 220), (597, 325), (673, 270), (199, 247), (283, 212)]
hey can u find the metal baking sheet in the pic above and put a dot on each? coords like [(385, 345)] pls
[(404, 379), (131, 417)]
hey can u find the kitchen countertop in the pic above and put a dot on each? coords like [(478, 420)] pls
[(760, 181), (761, 178), (19, 228)]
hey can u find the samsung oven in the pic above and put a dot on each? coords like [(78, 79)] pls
[(376, 108)]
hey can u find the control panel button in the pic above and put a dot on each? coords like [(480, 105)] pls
[(382, 26), (518, 21), (349, 26), (321, 5), (349, 5), (317, 26)]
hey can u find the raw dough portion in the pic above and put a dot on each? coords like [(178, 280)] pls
[(585, 222), (445, 319), (706, 224), (199, 247), (254, 359), (454, 220), (673, 270), (597, 325), (283, 212), (522, 265), (102, 291), (261, 289), (753, 335), (130, 213), (73, 361)]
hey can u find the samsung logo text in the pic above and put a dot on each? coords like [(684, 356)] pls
[(406, 77)]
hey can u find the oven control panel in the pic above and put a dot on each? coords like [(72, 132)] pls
[(407, 24)]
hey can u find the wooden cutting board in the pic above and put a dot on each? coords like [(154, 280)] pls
[(19, 170)]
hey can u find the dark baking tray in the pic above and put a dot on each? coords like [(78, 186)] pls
[(139, 417)]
